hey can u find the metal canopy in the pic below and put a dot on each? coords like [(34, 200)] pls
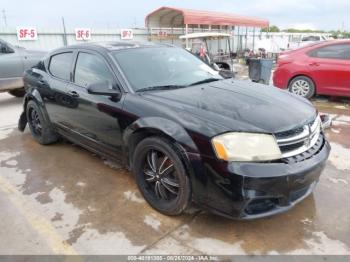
[(169, 17)]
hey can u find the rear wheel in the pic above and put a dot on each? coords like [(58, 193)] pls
[(161, 176), (41, 130), (302, 86), (18, 92)]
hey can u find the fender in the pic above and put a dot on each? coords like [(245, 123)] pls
[(191, 156), (302, 73), (162, 125), (32, 94)]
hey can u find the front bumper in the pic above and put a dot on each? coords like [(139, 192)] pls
[(246, 190)]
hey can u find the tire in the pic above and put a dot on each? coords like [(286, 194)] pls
[(162, 182), (41, 131), (18, 92), (302, 86)]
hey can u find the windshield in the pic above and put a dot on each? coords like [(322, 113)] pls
[(148, 68)]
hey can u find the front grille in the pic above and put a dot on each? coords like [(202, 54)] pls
[(291, 147), (315, 149), (300, 139), (289, 133)]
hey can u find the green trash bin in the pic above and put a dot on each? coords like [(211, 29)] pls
[(260, 70)]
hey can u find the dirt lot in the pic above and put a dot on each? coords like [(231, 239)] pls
[(61, 199)]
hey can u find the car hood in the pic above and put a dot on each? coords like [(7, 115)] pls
[(239, 105)]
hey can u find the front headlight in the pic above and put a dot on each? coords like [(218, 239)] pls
[(246, 147)]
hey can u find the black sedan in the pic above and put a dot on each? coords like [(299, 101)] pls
[(237, 148)]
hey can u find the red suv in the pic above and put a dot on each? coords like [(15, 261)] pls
[(319, 68)]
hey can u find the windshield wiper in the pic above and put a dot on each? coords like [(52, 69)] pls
[(165, 87), (208, 80), (169, 87)]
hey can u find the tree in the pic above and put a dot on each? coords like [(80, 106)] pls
[(334, 33), (293, 30), (272, 28), (339, 34)]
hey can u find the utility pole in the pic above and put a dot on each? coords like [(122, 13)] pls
[(64, 33), (4, 17)]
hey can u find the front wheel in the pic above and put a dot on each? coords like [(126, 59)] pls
[(302, 86), (161, 176)]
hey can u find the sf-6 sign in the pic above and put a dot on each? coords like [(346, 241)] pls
[(82, 34), (27, 33)]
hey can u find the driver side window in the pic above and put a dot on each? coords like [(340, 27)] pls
[(91, 69)]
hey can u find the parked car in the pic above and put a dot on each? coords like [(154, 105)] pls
[(307, 40), (14, 60), (187, 134), (320, 68)]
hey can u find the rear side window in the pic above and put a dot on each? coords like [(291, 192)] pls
[(60, 65), (91, 69), (341, 52)]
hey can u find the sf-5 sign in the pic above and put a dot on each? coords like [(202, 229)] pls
[(82, 34), (27, 33)]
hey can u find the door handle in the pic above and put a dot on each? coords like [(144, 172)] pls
[(314, 64), (73, 94)]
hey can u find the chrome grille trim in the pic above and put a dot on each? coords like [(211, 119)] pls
[(308, 137)]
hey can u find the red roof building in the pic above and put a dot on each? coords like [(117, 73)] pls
[(169, 17)]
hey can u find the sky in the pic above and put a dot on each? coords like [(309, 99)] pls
[(300, 14)]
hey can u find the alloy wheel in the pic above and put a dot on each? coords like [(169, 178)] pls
[(161, 176), (301, 87), (34, 121)]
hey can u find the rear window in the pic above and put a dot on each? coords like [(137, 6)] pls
[(339, 51), (60, 65)]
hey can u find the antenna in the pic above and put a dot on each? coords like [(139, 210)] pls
[(4, 17), (64, 32)]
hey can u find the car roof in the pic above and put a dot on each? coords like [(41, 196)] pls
[(330, 42), (317, 44), (109, 46)]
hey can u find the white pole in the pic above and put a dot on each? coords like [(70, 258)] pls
[(186, 32)]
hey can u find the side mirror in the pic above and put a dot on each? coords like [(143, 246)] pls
[(104, 89)]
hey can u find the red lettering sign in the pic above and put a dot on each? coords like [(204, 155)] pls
[(27, 33)]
